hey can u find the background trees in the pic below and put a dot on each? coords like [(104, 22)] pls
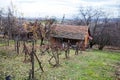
[(101, 26)]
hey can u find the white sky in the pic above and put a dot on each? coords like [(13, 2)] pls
[(42, 8)]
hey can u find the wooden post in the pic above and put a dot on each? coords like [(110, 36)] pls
[(17, 46), (32, 61)]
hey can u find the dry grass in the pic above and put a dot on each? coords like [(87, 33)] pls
[(90, 65)]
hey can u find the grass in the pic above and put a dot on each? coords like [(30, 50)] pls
[(5, 43), (90, 65)]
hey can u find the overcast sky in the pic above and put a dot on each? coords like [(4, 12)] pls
[(42, 8)]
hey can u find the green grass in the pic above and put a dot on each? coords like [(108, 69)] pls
[(5, 43), (90, 65)]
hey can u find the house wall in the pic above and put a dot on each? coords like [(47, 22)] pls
[(59, 41), (54, 41), (86, 40)]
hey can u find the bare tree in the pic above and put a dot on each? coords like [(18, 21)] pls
[(98, 22), (88, 14), (55, 48), (1, 20), (100, 33), (63, 18), (119, 11), (45, 29)]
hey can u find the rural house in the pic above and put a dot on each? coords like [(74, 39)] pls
[(62, 33)]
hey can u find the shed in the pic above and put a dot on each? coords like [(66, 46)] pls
[(62, 33)]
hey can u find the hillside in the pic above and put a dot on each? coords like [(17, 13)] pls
[(90, 65)]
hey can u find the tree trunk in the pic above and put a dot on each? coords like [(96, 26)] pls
[(41, 41), (91, 44), (101, 47), (18, 45), (40, 64), (32, 61)]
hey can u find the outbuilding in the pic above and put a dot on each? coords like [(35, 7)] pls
[(64, 33)]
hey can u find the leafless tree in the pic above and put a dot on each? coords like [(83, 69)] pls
[(100, 33), (56, 49), (88, 14), (1, 12), (97, 20), (119, 11), (45, 29), (63, 19)]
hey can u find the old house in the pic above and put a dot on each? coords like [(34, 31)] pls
[(63, 33)]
